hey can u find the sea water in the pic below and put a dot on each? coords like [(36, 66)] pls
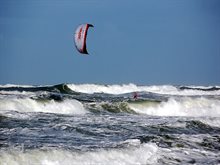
[(105, 124)]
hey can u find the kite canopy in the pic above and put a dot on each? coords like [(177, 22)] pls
[(80, 37)]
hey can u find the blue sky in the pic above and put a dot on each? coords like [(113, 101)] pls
[(146, 42)]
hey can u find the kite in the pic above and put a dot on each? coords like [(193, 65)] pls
[(80, 37)]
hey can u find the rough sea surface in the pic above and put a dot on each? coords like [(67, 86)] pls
[(109, 124)]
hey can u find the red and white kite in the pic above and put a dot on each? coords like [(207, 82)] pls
[(80, 37)]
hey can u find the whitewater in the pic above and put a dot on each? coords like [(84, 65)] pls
[(109, 124)]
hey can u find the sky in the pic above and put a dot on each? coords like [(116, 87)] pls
[(145, 42)]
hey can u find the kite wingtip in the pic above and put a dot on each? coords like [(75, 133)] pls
[(90, 25)]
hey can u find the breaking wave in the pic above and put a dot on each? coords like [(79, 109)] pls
[(48, 106), (140, 154), (160, 89), (115, 89), (180, 107), (164, 100)]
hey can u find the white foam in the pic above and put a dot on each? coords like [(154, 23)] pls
[(212, 122), (18, 93), (50, 106), (13, 85), (110, 89), (128, 88), (181, 107), (179, 155), (142, 154)]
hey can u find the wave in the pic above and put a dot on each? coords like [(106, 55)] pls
[(200, 88), (114, 89), (186, 106), (133, 154), (121, 106), (164, 100), (173, 106), (47, 106), (129, 88), (60, 88)]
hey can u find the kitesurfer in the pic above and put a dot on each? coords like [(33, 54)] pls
[(135, 95)]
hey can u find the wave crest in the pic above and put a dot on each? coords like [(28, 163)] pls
[(48, 106)]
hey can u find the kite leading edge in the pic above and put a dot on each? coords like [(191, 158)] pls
[(80, 37)]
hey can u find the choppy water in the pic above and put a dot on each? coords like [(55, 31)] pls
[(104, 124)]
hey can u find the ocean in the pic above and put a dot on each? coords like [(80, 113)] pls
[(92, 124)]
